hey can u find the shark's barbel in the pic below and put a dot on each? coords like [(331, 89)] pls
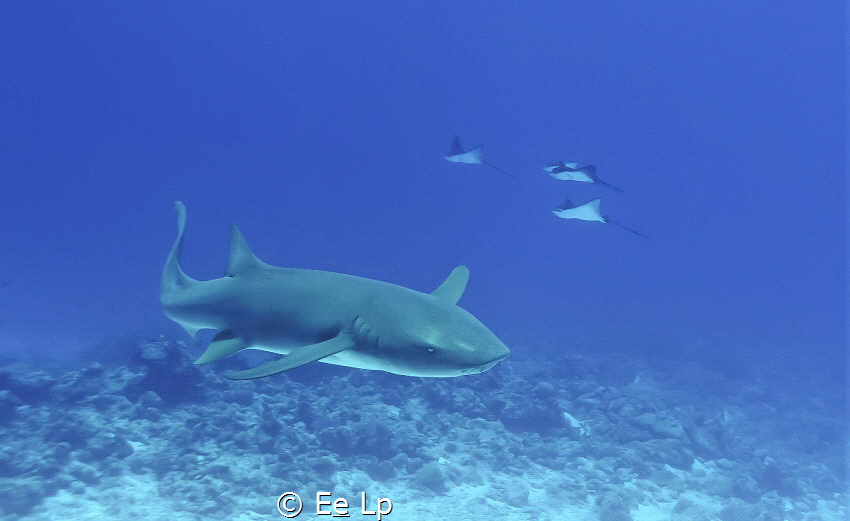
[(311, 315)]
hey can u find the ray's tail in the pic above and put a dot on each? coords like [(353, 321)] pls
[(609, 221), (606, 185), (497, 169)]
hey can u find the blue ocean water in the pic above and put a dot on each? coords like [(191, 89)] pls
[(320, 128)]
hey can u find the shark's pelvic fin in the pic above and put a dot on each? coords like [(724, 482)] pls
[(241, 259), (453, 287), (296, 358), (224, 343), (192, 331)]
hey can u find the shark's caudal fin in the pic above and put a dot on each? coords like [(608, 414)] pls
[(174, 281), (241, 259), (173, 277), (452, 288)]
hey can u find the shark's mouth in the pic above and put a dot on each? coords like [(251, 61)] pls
[(488, 365)]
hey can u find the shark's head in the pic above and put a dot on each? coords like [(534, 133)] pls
[(429, 336)]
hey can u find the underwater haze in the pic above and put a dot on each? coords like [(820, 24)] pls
[(320, 128)]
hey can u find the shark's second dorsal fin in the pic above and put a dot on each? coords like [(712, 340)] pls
[(452, 288), (241, 259)]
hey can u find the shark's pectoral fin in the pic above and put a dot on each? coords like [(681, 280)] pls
[(296, 358), (224, 343), (452, 288)]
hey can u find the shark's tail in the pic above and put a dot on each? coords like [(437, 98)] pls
[(173, 277)]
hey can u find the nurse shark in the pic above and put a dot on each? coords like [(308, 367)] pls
[(311, 315)]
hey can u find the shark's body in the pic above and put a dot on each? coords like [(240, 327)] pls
[(311, 315)]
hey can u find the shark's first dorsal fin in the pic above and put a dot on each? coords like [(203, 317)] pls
[(452, 288), (241, 259)]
